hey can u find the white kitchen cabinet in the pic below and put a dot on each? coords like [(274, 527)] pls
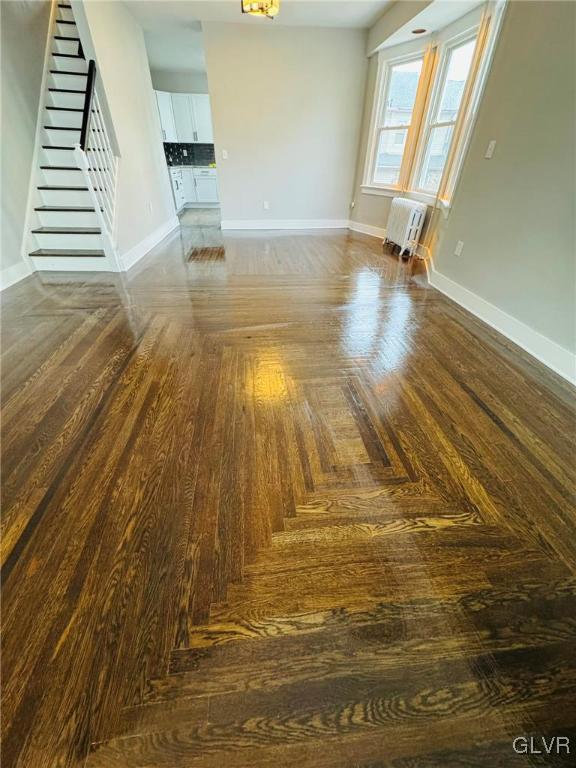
[(176, 177), (189, 185), (192, 118), (206, 185), (184, 118), (202, 118), (164, 102)]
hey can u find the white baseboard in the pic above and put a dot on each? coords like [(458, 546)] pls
[(11, 275), (140, 250), (367, 229), (560, 360), (285, 224)]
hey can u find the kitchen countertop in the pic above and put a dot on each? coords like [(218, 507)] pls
[(181, 167)]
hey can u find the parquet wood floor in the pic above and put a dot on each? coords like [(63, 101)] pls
[(283, 507)]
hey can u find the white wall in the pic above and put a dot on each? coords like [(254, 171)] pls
[(370, 209), (24, 33), (145, 205), (515, 212), (179, 82), (286, 105)]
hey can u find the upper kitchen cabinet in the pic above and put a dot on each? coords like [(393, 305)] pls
[(192, 117), (202, 117), (184, 118), (167, 123)]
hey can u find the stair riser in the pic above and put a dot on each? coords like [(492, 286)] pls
[(65, 13), (79, 264), (67, 30), (66, 219), (65, 197), (66, 46), (66, 100), (63, 178), (57, 157), (64, 119), (68, 65), (61, 138), (74, 82), (67, 242)]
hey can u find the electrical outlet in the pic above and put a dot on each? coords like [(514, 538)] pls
[(266, 205), (490, 149), (224, 154), (185, 152), (459, 247)]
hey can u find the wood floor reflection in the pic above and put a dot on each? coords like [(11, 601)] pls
[(281, 506)]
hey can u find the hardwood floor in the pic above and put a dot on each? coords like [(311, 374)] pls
[(282, 505)]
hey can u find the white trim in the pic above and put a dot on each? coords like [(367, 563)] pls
[(559, 359), (11, 275), (138, 251), (284, 224), (369, 189), (367, 229), (73, 264)]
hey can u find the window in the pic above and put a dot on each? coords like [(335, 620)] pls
[(395, 120), (439, 129), (425, 107)]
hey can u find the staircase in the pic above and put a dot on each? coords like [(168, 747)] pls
[(72, 222)]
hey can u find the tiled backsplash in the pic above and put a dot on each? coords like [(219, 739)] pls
[(196, 154)]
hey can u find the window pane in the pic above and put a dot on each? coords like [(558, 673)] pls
[(456, 74), (389, 156), (402, 93), (435, 158)]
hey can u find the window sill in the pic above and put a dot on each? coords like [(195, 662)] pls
[(421, 197), (367, 189)]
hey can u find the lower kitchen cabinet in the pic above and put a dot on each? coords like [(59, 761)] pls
[(194, 186), (206, 190), (189, 186)]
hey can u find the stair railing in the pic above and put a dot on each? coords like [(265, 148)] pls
[(98, 163)]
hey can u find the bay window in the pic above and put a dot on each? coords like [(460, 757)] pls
[(424, 106)]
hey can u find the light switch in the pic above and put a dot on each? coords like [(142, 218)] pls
[(490, 149), (459, 247), (224, 154)]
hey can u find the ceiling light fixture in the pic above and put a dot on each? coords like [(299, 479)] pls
[(267, 8), (419, 31)]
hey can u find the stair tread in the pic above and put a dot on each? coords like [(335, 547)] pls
[(65, 72), (65, 109), (59, 168), (60, 128), (67, 231), (60, 188), (64, 37), (70, 208), (65, 90), (67, 252), (67, 55), (64, 21), (50, 146)]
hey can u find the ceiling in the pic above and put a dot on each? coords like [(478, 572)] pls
[(358, 14), (173, 31), (437, 15)]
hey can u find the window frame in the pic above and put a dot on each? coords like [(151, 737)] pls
[(484, 23), (383, 79), (444, 49)]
